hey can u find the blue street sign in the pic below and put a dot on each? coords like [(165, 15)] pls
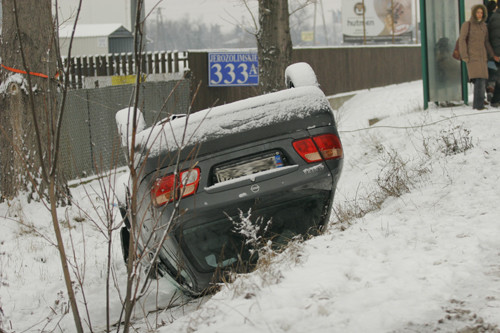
[(232, 69)]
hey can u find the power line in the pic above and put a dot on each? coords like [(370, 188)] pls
[(422, 125)]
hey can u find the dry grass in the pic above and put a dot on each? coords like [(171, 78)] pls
[(398, 175), (455, 140)]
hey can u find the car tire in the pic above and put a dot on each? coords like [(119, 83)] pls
[(300, 74)]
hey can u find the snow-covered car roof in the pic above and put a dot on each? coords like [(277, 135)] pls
[(233, 118)]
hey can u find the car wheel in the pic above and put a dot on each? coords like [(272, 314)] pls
[(300, 74)]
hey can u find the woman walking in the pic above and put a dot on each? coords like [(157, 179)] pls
[(475, 47)]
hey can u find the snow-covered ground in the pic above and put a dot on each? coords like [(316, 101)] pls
[(425, 260)]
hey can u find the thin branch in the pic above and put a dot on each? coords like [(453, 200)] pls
[(302, 6), (64, 91)]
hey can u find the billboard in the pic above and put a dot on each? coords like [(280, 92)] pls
[(377, 21)]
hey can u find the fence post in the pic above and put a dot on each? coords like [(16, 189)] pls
[(157, 63), (91, 66), (163, 62), (79, 72), (85, 66), (185, 59), (169, 62), (116, 60), (65, 65), (176, 62), (143, 63), (101, 65), (149, 61), (130, 61), (123, 58), (111, 69), (72, 72)]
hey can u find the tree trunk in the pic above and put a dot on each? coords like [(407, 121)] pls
[(23, 135), (274, 44)]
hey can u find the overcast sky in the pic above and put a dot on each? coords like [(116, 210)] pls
[(222, 12)]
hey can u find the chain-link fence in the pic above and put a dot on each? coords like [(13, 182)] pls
[(90, 141)]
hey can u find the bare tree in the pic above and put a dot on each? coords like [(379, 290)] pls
[(31, 117), (133, 265), (274, 44), (28, 121)]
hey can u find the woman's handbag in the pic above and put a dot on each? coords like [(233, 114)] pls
[(456, 51)]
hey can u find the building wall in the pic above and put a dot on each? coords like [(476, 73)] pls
[(121, 44), (85, 46)]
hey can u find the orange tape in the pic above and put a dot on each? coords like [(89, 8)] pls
[(24, 72)]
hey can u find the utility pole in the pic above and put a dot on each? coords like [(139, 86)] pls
[(323, 18), (364, 22), (392, 20), (133, 15), (416, 22), (160, 30), (324, 23), (314, 22)]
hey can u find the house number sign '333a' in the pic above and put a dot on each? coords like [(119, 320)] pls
[(231, 69)]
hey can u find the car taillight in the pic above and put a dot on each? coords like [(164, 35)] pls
[(189, 181), (170, 187), (317, 148)]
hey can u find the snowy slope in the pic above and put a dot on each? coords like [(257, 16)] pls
[(425, 261)]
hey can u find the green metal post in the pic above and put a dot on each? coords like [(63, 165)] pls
[(423, 48)]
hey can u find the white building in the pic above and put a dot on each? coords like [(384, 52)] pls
[(96, 39)]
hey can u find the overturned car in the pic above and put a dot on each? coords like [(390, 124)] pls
[(268, 164)]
